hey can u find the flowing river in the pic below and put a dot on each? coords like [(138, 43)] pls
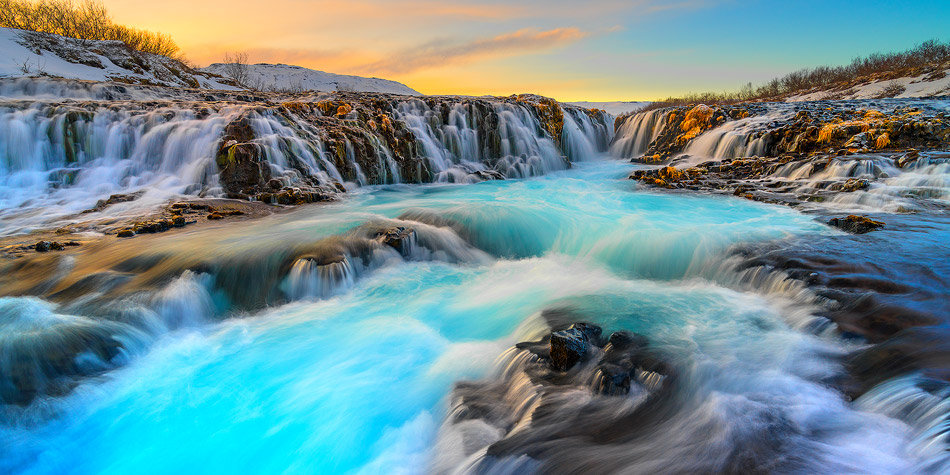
[(355, 373)]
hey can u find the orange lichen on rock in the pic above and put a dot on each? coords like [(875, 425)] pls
[(296, 107), (344, 109), (696, 120), (882, 141), (669, 173)]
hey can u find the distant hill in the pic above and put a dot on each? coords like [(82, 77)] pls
[(31, 54), (287, 78)]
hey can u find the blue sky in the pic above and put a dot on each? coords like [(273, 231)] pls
[(570, 50)]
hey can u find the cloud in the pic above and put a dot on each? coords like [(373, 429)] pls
[(435, 53)]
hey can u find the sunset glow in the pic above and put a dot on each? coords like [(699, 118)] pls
[(602, 50)]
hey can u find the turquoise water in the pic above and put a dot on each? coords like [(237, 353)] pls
[(358, 382)]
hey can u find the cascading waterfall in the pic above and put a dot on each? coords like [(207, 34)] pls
[(460, 139), (735, 139), (637, 132), (62, 159)]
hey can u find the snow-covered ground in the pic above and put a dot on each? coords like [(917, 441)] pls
[(36, 55), (926, 85), (287, 78), (613, 108), (24, 53)]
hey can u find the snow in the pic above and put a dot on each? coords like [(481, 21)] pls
[(917, 86), (56, 56), (287, 78), (612, 108)]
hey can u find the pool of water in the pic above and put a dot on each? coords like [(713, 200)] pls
[(358, 382)]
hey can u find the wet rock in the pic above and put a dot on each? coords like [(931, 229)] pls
[(624, 340), (242, 167), (56, 246), (570, 346), (855, 224), (113, 199), (399, 238), (127, 232), (855, 184), (614, 379), (42, 246), (907, 158)]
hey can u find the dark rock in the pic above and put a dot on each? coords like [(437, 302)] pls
[(215, 216), (614, 379), (178, 221), (569, 346), (42, 246), (855, 224), (56, 246), (624, 340), (127, 232)]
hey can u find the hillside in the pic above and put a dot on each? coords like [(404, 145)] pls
[(31, 54), (287, 78), (930, 84), (42, 55)]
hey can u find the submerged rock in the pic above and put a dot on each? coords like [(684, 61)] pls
[(855, 224)]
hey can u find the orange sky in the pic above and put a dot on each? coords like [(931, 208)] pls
[(435, 47), (597, 50)]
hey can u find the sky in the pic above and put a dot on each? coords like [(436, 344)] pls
[(600, 50)]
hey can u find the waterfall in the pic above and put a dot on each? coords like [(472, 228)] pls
[(458, 139), (59, 159), (735, 139), (637, 132)]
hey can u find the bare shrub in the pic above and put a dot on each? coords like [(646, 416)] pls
[(892, 90), (235, 67)]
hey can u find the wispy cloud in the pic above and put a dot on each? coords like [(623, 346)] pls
[(436, 53)]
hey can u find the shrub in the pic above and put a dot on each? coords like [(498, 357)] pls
[(929, 57), (84, 20)]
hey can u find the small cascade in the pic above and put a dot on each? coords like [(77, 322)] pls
[(637, 132), (186, 301), (309, 278), (735, 139), (925, 406), (877, 183)]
